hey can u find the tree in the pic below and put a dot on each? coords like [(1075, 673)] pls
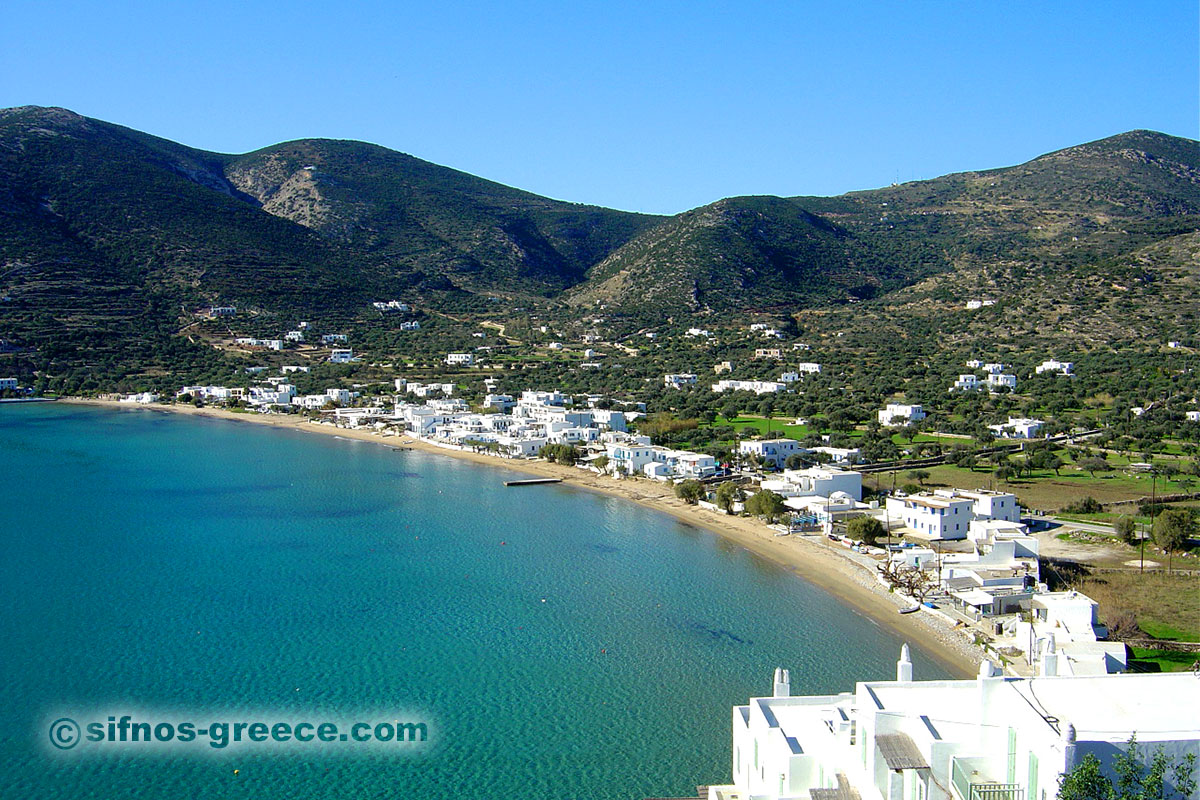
[(1124, 528), (865, 529), (919, 475), (1172, 528), (728, 493), (1004, 472), (690, 491), (912, 581), (601, 463), (1094, 465), (1160, 778), (766, 504), (794, 461)]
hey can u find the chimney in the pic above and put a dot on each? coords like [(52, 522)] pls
[(904, 667), (783, 686), (1049, 658)]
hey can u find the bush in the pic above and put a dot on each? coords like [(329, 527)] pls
[(1088, 505), (689, 491), (867, 530)]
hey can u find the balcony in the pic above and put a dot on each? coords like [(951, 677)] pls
[(969, 776)]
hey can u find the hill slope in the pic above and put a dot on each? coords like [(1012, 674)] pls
[(1072, 207)]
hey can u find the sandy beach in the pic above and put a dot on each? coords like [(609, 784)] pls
[(813, 558)]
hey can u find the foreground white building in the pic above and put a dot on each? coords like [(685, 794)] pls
[(990, 738)]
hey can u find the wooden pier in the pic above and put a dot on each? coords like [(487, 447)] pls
[(533, 481)]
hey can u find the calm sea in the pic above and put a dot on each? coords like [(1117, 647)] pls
[(558, 643)]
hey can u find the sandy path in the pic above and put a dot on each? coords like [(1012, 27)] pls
[(813, 558)]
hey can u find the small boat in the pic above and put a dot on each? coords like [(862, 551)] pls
[(911, 609)]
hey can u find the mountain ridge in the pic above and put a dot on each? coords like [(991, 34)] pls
[(105, 228)]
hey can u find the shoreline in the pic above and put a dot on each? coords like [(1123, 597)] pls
[(813, 559)]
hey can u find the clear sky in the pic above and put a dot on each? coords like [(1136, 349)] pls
[(645, 106)]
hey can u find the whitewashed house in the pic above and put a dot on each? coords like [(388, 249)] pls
[(900, 414), (988, 738), (758, 387), (770, 452), (460, 359), (1051, 365), (816, 482), (678, 381), (1018, 428), (966, 383)]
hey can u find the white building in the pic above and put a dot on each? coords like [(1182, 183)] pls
[(460, 359), (996, 380), (900, 414), (679, 381), (948, 513), (8, 383), (770, 452), (1061, 367), (503, 402), (341, 356), (1192, 416), (758, 387), (816, 482), (293, 368), (141, 398), (932, 517), (1018, 428), (1062, 636), (966, 383), (991, 738), (331, 338)]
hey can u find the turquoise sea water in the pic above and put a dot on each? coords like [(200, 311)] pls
[(559, 643)]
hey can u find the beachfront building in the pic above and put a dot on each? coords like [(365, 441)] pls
[(141, 398), (933, 517), (770, 452), (900, 414), (8, 383), (948, 513), (990, 738), (639, 457), (816, 482)]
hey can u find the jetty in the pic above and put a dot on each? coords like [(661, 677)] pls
[(532, 481)]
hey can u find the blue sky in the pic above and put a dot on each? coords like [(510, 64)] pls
[(648, 106)]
